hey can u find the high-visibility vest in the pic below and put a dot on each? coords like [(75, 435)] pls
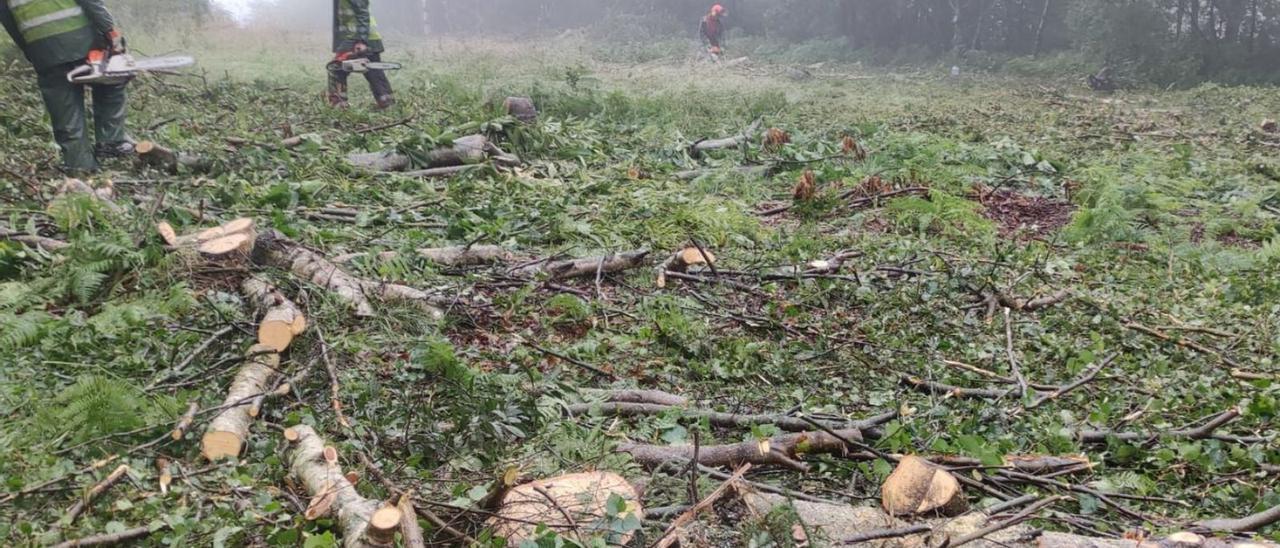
[(347, 23), (40, 19)]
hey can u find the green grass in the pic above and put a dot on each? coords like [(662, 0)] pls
[(1176, 203)]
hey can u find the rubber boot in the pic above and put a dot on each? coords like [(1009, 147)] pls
[(337, 92)]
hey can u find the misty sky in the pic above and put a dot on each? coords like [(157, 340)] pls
[(239, 9)]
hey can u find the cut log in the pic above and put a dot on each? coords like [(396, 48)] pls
[(167, 234), (282, 319), (573, 505), (681, 261), (656, 397), (918, 486), (784, 450), (47, 244), (574, 268), (522, 108), (277, 250), (363, 522), (471, 149), (228, 431), (409, 529), (155, 156), (1254, 523), (707, 145), (380, 161)]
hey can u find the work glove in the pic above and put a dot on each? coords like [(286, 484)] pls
[(360, 48), (116, 42)]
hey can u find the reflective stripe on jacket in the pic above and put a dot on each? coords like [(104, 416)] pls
[(353, 23), (40, 19)]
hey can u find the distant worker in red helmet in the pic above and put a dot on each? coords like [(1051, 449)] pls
[(712, 31)]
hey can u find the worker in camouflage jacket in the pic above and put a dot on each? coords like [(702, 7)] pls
[(355, 34), (57, 36)]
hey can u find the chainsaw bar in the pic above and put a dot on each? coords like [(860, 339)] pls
[(118, 69)]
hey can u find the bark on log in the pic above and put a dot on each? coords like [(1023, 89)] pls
[(228, 431), (282, 319), (522, 108), (656, 397), (706, 145), (364, 522), (781, 450), (783, 422), (574, 268), (409, 529), (155, 156), (386, 161), (276, 250), (1253, 523), (47, 244)]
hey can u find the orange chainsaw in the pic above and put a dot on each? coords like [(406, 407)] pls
[(348, 61), (101, 67)]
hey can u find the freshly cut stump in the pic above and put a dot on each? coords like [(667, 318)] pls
[(364, 522), (573, 505), (918, 486), (228, 431), (235, 247)]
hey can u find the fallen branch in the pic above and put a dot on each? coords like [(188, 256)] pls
[(1180, 342), (110, 538), (47, 244), (1016, 519), (716, 418), (227, 432), (669, 536), (1205, 431), (364, 522), (783, 450), (1088, 377), (410, 532), (184, 422), (465, 255), (1031, 305), (1254, 523), (656, 397), (707, 145), (943, 389), (277, 250), (878, 534), (79, 507), (576, 268)]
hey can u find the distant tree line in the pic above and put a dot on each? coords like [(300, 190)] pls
[(1165, 41), (1158, 40)]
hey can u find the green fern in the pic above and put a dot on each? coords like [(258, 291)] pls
[(95, 406), (19, 331)]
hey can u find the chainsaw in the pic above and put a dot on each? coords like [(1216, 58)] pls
[(346, 62), (102, 68)]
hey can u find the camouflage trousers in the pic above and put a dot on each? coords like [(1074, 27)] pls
[(378, 84)]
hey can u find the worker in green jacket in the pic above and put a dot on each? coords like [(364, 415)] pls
[(56, 36), (355, 34)]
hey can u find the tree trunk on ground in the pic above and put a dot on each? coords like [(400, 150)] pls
[(706, 145), (781, 450), (228, 431), (575, 268), (47, 244), (276, 250), (364, 522), (282, 319)]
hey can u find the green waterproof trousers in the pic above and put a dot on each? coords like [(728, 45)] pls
[(65, 103)]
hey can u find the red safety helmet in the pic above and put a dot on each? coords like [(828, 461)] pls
[(717, 10)]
